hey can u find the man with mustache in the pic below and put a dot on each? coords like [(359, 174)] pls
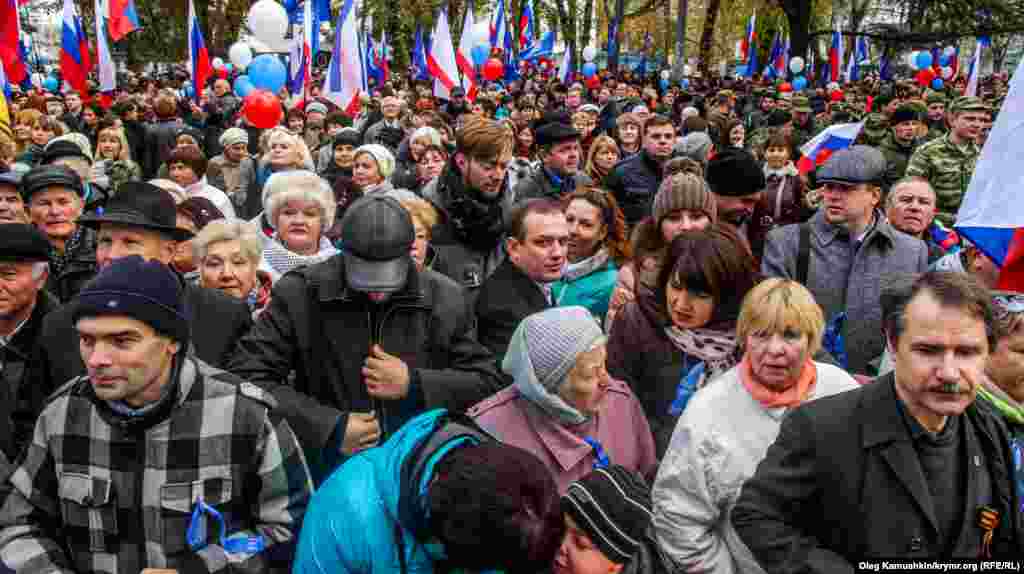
[(845, 250), (906, 467)]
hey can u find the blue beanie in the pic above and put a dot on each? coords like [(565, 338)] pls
[(147, 291)]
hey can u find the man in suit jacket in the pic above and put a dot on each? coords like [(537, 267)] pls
[(904, 467), (521, 285)]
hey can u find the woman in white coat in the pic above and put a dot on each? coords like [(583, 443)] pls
[(728, 426)]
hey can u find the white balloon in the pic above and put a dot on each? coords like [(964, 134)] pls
[(217, 63), (796, 65), (665, 74), (268, 21), (589, 53), (241, 55), (947, 72), (949, 51)]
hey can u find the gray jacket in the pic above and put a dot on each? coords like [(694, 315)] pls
[(842, 277)]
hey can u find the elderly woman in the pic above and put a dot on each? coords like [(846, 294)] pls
[(227, 254), (682, 334), (373, 165), (284, 151), (710, 457), (562, 405), (193, 214), (424, 218), (629, 132), (597, 248), (684, 202), (410, 152), (300, 206), (113, 163), (602, 157)]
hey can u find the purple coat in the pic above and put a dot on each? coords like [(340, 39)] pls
[(620, 427)]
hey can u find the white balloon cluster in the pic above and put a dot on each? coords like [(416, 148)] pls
[(268, 21), (241, 55)]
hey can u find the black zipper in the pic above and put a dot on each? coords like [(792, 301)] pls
[(377, 337)]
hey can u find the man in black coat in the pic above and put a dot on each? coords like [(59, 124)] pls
[(24, 253), (634, 181), (558, 172), (140, 220), (371, 341), (907, 467), (521, 286)]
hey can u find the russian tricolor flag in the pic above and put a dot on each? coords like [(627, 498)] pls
[(122, 19), (200, 58), (346, 78), (526, 33), (498, 25), (823, 145), (991, 215), (74, 54), (749, 46), (10, 42), (835, 56)]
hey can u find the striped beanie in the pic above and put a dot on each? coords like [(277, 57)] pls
[(613, 506)]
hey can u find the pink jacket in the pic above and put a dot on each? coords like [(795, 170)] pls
[(620, 427)]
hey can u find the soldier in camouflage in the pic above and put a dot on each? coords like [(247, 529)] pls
[(757, 118), (899, 144), (876, 128), (948, 162), (803, 120), (936, 121), (719, 117)]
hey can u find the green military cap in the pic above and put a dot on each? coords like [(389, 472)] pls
[(875, 125), (801, 104), (934, 97), (969, 104)]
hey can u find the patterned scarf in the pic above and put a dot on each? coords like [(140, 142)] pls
[(716, 349), (574, 271), (282, 260), (58, 260)]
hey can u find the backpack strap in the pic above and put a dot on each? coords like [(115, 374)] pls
[(803, 254)]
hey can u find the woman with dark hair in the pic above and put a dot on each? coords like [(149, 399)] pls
[(683, 334), (597, 248), (525, 148)]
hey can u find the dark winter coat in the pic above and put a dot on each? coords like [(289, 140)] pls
[(160, 138), (319, 329), (506, 298), (78, 270), (843, 482), (539, 182), (635, 181)]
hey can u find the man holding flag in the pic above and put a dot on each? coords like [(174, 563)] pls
[(948, 162)]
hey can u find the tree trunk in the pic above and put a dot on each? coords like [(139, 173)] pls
[(706, 36), (588, 12), (677, 69), (798, 14), (615, 28)]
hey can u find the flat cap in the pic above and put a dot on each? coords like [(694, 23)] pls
[(853, 165), (969, 104), (23, 242), (553, 128), (45, 176)]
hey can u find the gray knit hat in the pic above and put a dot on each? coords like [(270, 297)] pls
[(683, 188), (554, 338), (232, 136)]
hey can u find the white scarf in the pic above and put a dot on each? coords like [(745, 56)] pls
[(281, 260), (786, 170)]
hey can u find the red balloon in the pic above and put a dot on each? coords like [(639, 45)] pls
[(925, 77), (837, 96), (785, 87), (262, 109), (494, 69), (593, 82)]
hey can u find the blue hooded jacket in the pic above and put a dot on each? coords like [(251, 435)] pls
[(367, 509)]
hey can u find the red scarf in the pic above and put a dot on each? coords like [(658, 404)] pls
[(791, 396)]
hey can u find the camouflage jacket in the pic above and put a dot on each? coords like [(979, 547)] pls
[(897, 155), (948, 168)]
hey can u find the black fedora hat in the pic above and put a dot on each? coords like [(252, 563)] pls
[(140, 204)]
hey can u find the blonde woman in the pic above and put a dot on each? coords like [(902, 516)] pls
[(281, 151), (227, 253), (300, 207), (113, 164)]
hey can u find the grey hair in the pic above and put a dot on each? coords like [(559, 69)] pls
[(908, 180), (298, 185), (38, 268), (429, 133), (247, 233)]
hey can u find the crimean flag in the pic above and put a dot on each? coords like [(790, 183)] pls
[(122, 19)]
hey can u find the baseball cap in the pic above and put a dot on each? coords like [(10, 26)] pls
[(376, 235)]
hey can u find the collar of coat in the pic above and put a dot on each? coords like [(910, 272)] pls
[(826, 232)]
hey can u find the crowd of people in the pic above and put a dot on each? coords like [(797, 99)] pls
[(552, 328)]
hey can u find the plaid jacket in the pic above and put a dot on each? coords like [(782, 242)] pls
[(97, 492)]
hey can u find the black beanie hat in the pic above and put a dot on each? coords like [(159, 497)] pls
[(778, 118), (147, 291), (613, 506), (734, 173), (904, 114)]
